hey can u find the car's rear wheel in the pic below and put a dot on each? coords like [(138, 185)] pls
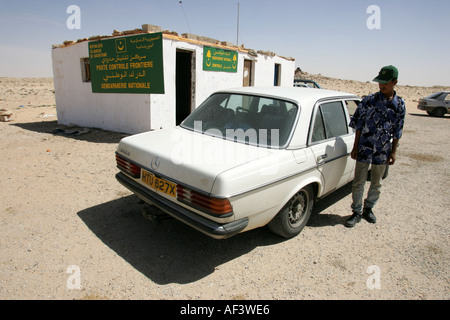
[(439, 112), (293, 217)]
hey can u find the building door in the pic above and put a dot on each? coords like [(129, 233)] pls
[(184, 83), (277, 75), (248, 73)]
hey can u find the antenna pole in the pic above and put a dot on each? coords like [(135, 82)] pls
[(181, 4), (237, 35)]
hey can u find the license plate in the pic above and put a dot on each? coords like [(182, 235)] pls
[(162, 185)]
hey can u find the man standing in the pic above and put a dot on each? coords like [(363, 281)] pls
[(378, 122)]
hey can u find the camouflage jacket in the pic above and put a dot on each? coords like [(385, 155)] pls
[(380, 120)]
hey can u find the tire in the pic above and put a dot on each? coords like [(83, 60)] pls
[(293, 217), (439, 112)]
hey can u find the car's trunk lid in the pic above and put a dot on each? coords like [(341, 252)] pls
[(187, 157)]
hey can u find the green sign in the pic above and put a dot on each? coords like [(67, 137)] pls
[(215, 59), (132, 64)]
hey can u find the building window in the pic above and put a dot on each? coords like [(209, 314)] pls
[(85, 70)]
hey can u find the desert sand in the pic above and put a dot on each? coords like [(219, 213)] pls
[(69, 230)]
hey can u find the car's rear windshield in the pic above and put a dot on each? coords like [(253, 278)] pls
[(437, 96), (255, 120)]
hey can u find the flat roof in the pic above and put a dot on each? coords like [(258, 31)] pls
[(186, 37)]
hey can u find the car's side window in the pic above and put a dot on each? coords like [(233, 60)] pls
[(351, 106), (318, 133), (330, 122)]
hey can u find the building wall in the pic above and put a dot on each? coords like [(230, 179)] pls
[(77, 105), (134, 113)]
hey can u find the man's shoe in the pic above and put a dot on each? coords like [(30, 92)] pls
[(353, 220), (369, 216)]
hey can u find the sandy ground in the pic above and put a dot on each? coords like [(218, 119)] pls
[(62, 207)]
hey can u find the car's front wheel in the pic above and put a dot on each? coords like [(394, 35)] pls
[(293, 217)]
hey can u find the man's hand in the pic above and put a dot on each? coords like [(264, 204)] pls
[(391, 159), (354, 153)]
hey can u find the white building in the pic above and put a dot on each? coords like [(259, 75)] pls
[(186, 82)]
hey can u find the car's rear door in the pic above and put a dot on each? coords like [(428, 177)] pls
[(331, 141)]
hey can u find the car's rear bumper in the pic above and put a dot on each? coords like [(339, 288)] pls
[(206, 226)]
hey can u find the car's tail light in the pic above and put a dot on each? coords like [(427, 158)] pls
[(128, 167), (203, 202)]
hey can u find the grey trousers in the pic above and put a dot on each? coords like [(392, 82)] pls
[(374, 192)]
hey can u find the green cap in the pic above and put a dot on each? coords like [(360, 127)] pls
[(387, 74)]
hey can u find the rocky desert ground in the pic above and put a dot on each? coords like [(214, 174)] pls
[(70, 231)]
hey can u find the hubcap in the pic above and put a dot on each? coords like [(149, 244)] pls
[(297, 209)]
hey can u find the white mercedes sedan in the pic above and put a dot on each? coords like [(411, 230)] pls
[(245, 158)]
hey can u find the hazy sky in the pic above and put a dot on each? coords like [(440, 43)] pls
[(328, 37)]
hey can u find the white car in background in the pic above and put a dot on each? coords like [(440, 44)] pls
[(245, 158), (437, 104)]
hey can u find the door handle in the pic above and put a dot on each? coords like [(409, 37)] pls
[(322, 157)]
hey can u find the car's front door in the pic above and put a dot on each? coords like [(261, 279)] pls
[(332, 141)]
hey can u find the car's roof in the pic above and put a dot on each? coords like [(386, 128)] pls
[(298, 94)]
